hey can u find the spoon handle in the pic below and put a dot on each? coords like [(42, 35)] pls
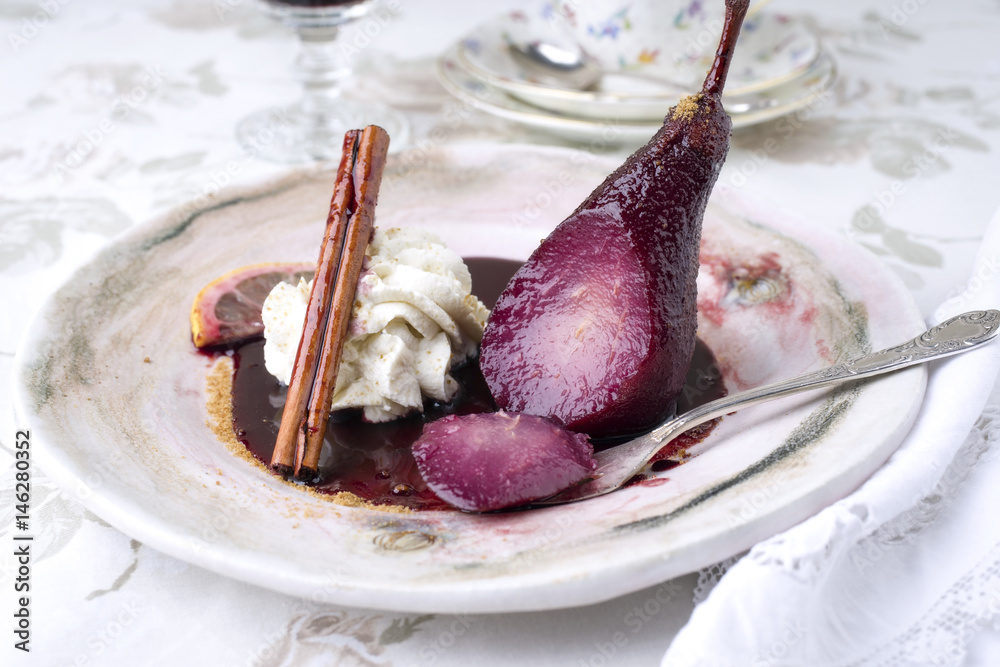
[(619, 464), (958, 334)]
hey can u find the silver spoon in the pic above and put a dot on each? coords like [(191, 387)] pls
[(567, 69), (571, 68), (617, 465), (558, 66)]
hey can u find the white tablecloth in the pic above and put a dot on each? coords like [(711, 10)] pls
[(113, 111)]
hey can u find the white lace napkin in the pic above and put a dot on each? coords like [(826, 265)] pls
[(901, 572)]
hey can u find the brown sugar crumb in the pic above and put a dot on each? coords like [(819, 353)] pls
[(348, 499), (686, 108), (219, 386)]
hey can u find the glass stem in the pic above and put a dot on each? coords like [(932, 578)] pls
[(322, 70)]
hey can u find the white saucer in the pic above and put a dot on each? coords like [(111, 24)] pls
[(562, 112), (773, 50)]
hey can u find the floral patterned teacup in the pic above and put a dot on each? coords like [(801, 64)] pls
[(662, 38)]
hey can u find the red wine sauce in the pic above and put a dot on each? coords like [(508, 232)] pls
[(373, 461)]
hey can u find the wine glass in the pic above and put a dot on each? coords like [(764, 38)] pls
[(313, 128)]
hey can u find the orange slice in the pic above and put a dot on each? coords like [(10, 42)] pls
[(227, 310)]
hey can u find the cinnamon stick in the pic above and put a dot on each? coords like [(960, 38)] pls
[(368, 168), (293, 416), (349, 228)]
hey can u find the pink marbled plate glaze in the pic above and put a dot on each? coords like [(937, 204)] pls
[(130, 440)]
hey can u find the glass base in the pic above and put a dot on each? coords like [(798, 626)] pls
[(292, 135)]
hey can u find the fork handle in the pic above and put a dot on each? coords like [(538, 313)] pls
[(619, 464), (952, 336)]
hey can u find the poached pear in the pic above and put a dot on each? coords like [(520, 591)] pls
[(597, 328)]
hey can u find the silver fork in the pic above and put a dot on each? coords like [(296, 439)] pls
[(617, 465)]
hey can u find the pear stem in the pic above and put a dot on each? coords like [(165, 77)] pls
[(736, 10)]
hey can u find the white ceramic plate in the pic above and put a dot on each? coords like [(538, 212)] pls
[(115, 396), (773, 51), (600, 118)]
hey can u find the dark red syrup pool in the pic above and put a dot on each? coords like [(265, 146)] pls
[(373, 461)]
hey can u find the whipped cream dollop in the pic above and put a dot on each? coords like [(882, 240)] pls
[(414, 319)]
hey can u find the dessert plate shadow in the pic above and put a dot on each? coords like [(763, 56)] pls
[(116, 398)]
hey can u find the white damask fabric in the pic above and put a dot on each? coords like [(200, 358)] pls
[(902, 572), (114, 111)]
